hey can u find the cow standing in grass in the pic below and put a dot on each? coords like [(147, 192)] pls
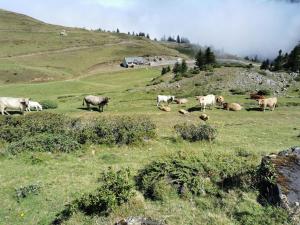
[(99, 101), (34, 105), (165, 98), (268, 102), (13, 103), (208, 100)]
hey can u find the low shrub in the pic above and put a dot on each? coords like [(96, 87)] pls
[(44, 143), (264, 92), (16, 128), (24, 192), (191, 175), (49, 104), (121, 130), (194, 133), (116, 188), (237, 92)]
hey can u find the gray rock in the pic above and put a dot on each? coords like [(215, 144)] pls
[(139, 221), (281, 184)]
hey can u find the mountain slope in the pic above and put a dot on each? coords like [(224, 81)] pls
[(31, 50)]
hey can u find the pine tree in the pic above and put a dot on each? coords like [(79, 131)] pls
[(178, 40), (200, 59), (177, 68), (265, 65), (278, 62), (209, 56), (148, 36), (294, 59), (184, 67), (118, 31)]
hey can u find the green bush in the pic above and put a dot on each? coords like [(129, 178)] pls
[(44, 143), (16, 128), (119, 130), (191, 175), (116, 188), (265, 92), (194, 133), (49, 104), (237, 92)]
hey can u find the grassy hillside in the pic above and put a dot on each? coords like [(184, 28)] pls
[(245, 135), (33, 51)]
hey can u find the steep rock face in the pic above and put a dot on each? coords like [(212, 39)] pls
[(280, 180)]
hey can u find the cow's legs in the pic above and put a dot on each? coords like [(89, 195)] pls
[(88, 106)]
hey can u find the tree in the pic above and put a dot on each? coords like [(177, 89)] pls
[(178, 40), (278, 62), (148, 36), (265, 65), (209, 56), (177, 68), (184, 67), (200, 59), (118, 31), (293, 62)]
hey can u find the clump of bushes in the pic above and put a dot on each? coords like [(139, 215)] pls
[(49, 104), (195, 133), (264, 92), (191, 175), (44, 143), (116, 188), (165, 70), (119, 130), (58, 133), (24, 192), (237, 91)]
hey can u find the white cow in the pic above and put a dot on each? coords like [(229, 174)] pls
[(13, 103), (208, 100), (165, 98), (34, 105)]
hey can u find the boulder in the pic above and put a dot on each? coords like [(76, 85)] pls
[(279, 180), (184, 112), (165, 108), (204, 117)]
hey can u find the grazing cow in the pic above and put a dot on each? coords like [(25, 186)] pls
[(256, 96), (208, 100), (13, 103), (268, 102), (165, 98), (96, 101), (181, 101), (220, 100), (232, 106), (34, 105)]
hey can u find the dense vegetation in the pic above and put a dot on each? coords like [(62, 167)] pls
[(288, 62)]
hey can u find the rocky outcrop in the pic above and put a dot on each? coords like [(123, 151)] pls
[(139, 221), (279, 180)]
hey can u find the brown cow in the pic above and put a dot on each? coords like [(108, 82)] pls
[(268, 102), (232, 106)]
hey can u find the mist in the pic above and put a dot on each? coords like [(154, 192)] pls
[(240, 27)]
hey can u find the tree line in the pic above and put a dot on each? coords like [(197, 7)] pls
[(284, 62)]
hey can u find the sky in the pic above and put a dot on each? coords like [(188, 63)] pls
[(240, 27)]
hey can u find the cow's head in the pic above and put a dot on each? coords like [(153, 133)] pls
[(260, 101), (25, 102), (200, 98)]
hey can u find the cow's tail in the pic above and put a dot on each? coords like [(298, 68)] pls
[(83, 102)]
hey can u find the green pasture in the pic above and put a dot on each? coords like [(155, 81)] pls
[(64, 177)]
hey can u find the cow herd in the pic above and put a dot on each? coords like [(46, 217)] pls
[(212, 100), (25, 104)]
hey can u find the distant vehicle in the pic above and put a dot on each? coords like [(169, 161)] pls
[(132, 61)]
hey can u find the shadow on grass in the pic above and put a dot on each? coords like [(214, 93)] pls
[(253, 109), (92, 109), (195, 109)]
